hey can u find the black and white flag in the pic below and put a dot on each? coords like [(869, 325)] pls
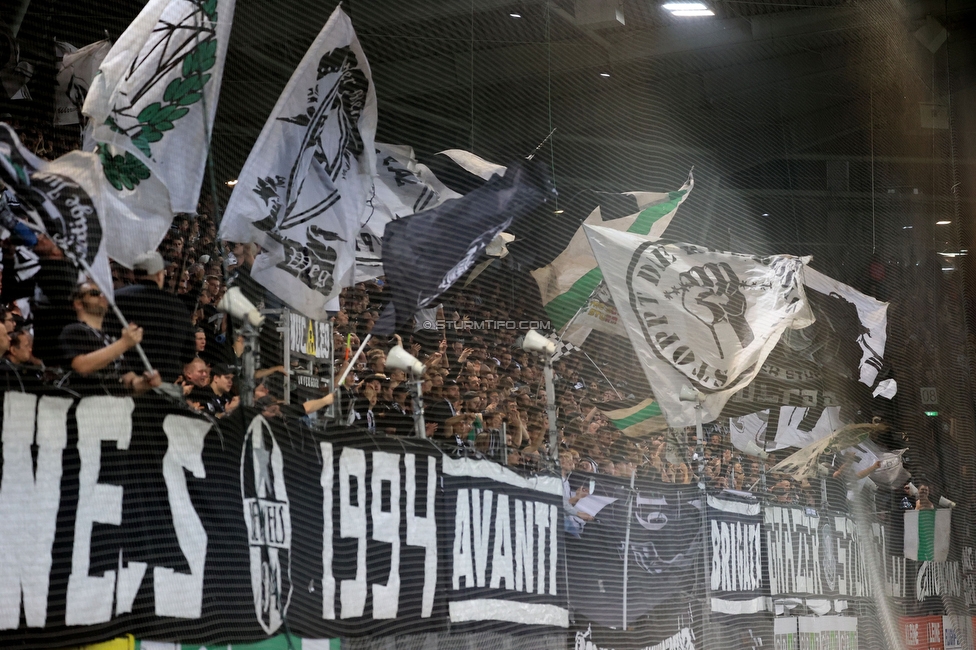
[(426, 253), (859, 319), (401, 187), (699, 319), (562, 347), (56, 203), (304, 187)]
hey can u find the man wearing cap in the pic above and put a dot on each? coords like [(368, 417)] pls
[(168, 332)]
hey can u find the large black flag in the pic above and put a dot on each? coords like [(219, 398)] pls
[(424, 254), (665, 540)]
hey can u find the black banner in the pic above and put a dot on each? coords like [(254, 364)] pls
[(661, 551), (135, 516)]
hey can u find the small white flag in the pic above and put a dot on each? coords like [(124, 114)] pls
[(75, 73), (871, 323), (927, 534)]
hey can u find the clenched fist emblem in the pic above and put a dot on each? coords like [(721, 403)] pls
[(711, 293)]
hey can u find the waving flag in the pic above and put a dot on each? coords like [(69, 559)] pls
[(566, 283), (927, 534), (57, 203), (152, 107), (426, 253), (402, 187), (75, 75), (858, 318), (305, 185), (635, 417), (699, 319)]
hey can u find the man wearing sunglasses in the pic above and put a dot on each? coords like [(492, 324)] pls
[(94, 357)]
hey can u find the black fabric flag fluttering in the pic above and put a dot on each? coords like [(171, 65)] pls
[(53, 202), (424, 254)]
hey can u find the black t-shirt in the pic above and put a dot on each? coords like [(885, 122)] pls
[(80, 338), (168, 335), (209, 400)]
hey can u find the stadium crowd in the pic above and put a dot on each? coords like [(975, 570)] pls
[(483, 393)]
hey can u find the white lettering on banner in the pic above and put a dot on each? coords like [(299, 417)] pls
[(29, 503), (463, 567), (684, 639), (969, 574), (180, 594), (809, 554), (328, 579), (352, 524), (736, 556), (472, 537), (386, 528), (502, 555), (421, 530), (481, 518), (895, 566), (310, 338), (523, 546), (938, 579), (89, 598)]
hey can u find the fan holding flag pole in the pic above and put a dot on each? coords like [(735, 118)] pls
[(58, 206)]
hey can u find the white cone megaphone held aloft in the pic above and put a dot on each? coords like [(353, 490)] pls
[(535, 342), (235, 304), (400, 359), (689, 394)]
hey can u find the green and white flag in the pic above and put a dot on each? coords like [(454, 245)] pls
[(566, 283), (927, 535), (635, 417), (699, 319), (152, 107)]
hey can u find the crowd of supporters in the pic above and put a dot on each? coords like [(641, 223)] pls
[(483, 394)]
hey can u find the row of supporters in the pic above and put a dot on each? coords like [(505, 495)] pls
[(131, 515)]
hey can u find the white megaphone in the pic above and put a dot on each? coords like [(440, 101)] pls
[(912, 489), (689, 394), (400, 359), (946, 503), (535, 342), (750, 447), (235, 304)]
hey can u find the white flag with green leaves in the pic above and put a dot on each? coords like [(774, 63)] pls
[(152, 108)]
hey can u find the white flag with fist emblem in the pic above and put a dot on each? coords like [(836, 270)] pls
[(699, 318)]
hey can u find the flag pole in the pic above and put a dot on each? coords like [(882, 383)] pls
[(110, 297), (352, 362), (619, 396), (536, 150)]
